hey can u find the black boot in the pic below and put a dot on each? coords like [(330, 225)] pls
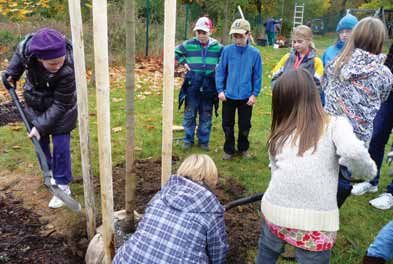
[(373, 260)]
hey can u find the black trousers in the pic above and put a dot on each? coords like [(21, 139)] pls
[(244, 112)]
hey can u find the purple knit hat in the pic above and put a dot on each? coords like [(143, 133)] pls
[(47, 44)]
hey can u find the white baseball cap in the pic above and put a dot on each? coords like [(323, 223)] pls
[(204, 24)]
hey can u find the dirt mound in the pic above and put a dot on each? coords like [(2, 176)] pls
[(23, 238), (8, 114), (41, 235), (242, 223)]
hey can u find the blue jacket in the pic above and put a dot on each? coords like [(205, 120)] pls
[(239, 72), (183, 223), (269, 24), (332, 51)]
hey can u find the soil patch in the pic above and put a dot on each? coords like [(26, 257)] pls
[(8, 114), (24, 238), (242, 223), (30, 232)]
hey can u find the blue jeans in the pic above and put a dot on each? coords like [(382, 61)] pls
[(203, 108), (382, 246), (383, 124), (59, 160), (270, 247), (200, 93), (344, 186)]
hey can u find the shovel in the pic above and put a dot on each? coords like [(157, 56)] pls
[(49, 182), (242, 201)]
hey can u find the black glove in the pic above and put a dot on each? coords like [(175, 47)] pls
[(4, 77)]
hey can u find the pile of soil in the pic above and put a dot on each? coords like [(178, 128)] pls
[(8, 114), (242, 223), (23, 238)]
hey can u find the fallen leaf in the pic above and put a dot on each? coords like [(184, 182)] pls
[(116, 100), (16, 128), (117, 129), (177, 128)]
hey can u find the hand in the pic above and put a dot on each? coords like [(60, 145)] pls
[(221, 97), (187, 67), (34, 133), (251, 100), (6, 78)]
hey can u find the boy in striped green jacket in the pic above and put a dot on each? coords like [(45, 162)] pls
[(200, 57)]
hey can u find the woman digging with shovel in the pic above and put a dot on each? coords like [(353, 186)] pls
[(50, 98)]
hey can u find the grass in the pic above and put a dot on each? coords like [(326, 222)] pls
[(359, 221)]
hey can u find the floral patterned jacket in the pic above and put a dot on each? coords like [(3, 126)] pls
[(358, 90)]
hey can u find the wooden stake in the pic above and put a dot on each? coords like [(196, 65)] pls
[(130, 186), (100, 29), (241, 14), (83, 113), (169, 82)]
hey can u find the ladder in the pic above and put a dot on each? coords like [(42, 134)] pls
[(298, 15)]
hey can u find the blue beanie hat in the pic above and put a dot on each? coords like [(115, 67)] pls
[(47, 44), (347, 22)]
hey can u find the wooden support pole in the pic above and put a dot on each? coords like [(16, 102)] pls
[(242, 15), (130, 188), (169, 82), (83, 112), (100, 29)]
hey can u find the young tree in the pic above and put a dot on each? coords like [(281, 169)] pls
[(130, 186)]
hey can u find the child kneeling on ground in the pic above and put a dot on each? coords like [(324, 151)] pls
[(183, 223), (306, 146)]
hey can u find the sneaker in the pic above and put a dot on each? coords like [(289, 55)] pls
[(246, 154), (204, 147), (55, 202), (227, 156), (363, 187), (187, 146), (383, 202)]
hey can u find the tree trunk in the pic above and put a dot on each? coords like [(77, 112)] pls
[(343, 4), (226, 18), (130, 185)]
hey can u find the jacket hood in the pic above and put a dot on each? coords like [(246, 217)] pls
[(212, 41), (187, 196), (361, 65), (311, 54)]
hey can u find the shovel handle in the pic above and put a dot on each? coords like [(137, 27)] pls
[(40, 153), (246, 200)]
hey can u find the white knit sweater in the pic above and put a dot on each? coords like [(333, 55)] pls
[(302, 190)]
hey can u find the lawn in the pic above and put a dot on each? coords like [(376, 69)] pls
[(359, 221)]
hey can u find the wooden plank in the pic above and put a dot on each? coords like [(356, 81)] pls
[(83, 113), (100, 29), (168, 84)]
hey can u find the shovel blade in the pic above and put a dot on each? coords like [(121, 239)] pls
[(67, 200)]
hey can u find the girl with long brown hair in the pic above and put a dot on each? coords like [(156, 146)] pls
[(356, 83), (306, 146)]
